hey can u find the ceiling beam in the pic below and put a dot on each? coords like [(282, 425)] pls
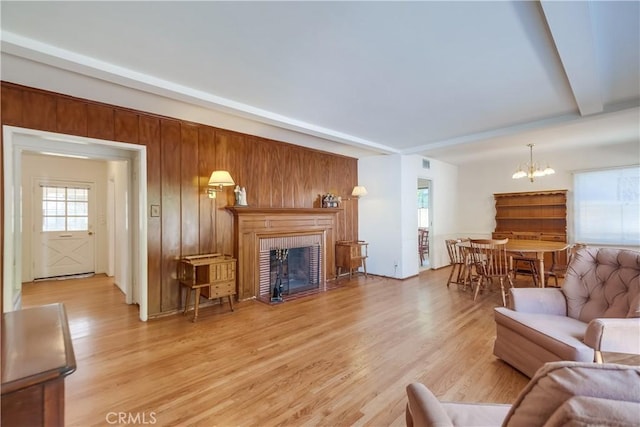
[(571, 29)]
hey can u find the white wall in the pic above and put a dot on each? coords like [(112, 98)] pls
[(66, 169), (379, 213), (479, 180), (387, 215), (118, 173)]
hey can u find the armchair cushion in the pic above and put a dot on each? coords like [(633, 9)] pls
[(557, 383), (424, 409), (559, 394), (560, 335), (542, 301), (592, 411)]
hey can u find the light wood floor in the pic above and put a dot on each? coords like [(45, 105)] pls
[(340, 358)]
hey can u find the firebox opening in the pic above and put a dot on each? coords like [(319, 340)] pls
[(297, 271)]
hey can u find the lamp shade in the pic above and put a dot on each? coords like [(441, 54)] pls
[(221, 178), (359, 191)]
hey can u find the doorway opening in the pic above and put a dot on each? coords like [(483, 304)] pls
[(16, 142), (425, 232)]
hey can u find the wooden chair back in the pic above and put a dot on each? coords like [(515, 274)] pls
[(456, 251), (490, 257)]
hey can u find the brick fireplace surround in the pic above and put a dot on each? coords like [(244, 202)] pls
[(251, 225)]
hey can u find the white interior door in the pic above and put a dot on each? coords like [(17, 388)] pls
[(63, 229)]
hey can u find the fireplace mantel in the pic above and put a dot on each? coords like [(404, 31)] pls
[(251, 224), (248, 210)]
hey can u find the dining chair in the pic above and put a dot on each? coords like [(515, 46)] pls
[(559, 270), (491, 261), (460, 260), (423, 244), (523, 263)]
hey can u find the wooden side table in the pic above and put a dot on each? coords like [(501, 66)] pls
[(211, 276), (351, 255), (37, 355)]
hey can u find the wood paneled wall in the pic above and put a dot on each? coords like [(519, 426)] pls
[(180, 157)]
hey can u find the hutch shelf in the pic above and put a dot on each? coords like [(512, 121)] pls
[(543, 212)]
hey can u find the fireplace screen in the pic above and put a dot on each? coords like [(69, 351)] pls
[(294, 270)]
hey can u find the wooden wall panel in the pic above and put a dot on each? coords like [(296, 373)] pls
[(100, 122), (275, 179), (126, 126), (206, 158), (72, 117), (180, 157), (150, 137), (263, 167), (11, 99), (39, 111), (189, 186), (171, 223)]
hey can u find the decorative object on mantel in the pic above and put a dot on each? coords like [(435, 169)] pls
[(281, 256), (217, 181), (330, 200), (532, 170), (241, 196), (359, 191)]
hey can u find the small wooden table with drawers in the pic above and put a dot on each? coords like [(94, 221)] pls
[(210, 275), (351, 255)]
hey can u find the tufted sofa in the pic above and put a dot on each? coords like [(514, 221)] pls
[(596, 310), (560, 394)]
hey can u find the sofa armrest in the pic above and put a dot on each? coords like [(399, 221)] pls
[(614, 334), (536, 300), (424, 409)]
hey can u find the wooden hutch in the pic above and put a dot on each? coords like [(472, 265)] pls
[(535, 211)]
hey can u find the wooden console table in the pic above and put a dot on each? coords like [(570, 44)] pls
[(351, 255), (37, 355), (210, 275)]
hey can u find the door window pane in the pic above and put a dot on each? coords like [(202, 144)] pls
[(65, 209)]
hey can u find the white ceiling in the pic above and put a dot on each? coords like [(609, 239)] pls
[(447, 80)]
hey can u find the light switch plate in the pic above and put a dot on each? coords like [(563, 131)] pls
[(155, 210)]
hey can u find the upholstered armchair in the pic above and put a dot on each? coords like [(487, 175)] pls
[(559, 394), (596, 310)]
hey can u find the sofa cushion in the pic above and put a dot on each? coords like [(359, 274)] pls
[(557, 382), (603, 282), (561, 335)]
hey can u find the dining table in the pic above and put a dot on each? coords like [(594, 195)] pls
[(537, 247)]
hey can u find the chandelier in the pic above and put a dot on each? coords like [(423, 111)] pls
[(532, 170)]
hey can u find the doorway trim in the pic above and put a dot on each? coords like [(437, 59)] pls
[(16, 140)]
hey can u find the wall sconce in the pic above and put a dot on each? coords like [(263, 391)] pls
[(218, 180), (358, 191)]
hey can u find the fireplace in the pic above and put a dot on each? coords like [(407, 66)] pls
[(292, 262), (257, 231)]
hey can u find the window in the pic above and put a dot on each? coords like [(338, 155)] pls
[(606, 206), (65, 209)]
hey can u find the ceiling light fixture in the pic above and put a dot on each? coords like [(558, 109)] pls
[(532, 170), (218, 180)]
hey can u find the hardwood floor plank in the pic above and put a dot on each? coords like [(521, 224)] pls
[(343, 357)]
